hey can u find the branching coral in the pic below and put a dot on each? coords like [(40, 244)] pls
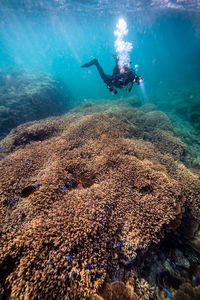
[(117, 291), (98, 194)]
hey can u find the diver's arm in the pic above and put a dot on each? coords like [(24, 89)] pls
[(130, 88)]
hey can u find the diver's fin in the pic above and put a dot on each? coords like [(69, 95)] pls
[(90, 63)]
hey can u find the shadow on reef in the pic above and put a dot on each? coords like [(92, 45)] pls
[(5, 270), (172, 264), (103, 204), (27, 96)]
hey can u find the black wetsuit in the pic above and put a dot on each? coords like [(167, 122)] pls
[(118, 80)]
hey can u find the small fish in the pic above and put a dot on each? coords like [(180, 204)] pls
[(69, 211), (4, 133), (119, 245), (64, 187), (3, 157), (88, 266), (12, 201), (168, 292), (34, 186), (27, 161), (69, 256), (73, 273), (49, 263), (194, 278), (30, 142), (71, 181), (0, 148)]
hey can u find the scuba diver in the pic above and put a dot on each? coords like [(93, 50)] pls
[(118, 79)]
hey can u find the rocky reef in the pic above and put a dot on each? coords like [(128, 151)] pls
[(93, 197), (27, 96)]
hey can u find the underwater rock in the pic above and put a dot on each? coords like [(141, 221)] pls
[(180, 260), (73, 236), (169, 264), (27, 96)]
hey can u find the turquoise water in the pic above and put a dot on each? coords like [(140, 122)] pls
[(58, 36)]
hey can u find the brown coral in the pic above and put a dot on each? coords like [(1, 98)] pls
[(117, 290), (95, 186), (187, 292)]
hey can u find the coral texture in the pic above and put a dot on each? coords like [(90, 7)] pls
[(27, 96), (81, 192), (117, 291)]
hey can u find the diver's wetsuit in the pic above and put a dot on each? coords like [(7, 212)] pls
[(118, 80)]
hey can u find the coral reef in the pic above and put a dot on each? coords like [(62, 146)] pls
[(171, 263), (117, 291), (144, 290), (187, 292), (180, 100), (27, 96), (83, 194)]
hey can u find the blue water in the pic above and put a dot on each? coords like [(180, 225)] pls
[(58, 36)]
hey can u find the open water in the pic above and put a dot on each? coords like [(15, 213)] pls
[(58, 36)]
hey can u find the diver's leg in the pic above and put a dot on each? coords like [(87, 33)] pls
[(101, 72), (99, 68), (106, 78), (116, 69), (90, 63)]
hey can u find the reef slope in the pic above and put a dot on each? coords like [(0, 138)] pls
[(81, 194)]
